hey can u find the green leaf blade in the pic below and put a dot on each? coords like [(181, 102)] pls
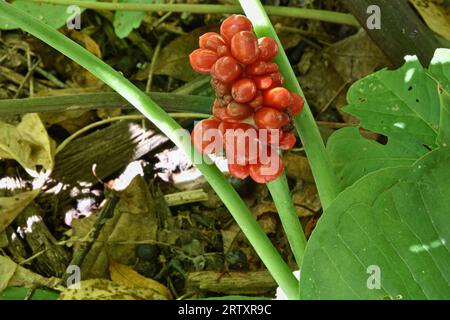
[(126, 21), (354, 156), (397, 104), (440, 68), (53, 15), (396, 219)]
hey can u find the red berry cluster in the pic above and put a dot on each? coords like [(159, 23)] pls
[(252, 106)]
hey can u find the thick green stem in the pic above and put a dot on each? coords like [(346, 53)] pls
[(326, 181), (288, 215), (328, 16), (253, 231)]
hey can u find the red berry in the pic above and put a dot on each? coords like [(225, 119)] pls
[(233, 25), (257, 101), (268, 170), (202, 60), (220, 88), (263, 82), (287, 140), (239, 110), (268, 48), (223, 51), (238, 171), (244, 47), (221, 114), (277, 79), (241, 143), (243, 90), (271, 67), (257, 68), (226, 69), (279, 98), (270, 137), (206, 136), (211, 41), (296, 107), (270, 118)]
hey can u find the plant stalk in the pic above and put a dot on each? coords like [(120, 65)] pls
[(288, 215), (326, 180), (170, 102), (249, 226), (292, 12)]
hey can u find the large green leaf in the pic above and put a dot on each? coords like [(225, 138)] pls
[(126, 21), (20, 293), (440, 68), (353, 156), (444, 129), (399, 104), (54, 15), (395, 219), (379, 109)]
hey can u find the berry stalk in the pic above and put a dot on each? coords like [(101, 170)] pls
[(326, 181), (252, 230)]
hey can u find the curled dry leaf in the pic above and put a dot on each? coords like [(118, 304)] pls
[(10, 207), (297, 167), (11, 274), (126, 276), (435, 16), (28, 143), (101, 289)]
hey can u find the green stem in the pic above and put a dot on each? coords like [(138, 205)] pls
[(326, 180), (288, 215), (292, 12), (252, 230)]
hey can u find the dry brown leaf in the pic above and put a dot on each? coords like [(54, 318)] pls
[(435, 16), (28, 143), (10, 207), (100, 289), (356, 57), (11, 274), (126, 276), (297, 167), (306, 200), (134, 220), (174, 58), (3, 239), (86, 41), (7, 270)]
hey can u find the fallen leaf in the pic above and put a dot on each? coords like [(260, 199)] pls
[(3, 239), (134, 220), (297, 167), (174, 58), (7, 269), (126, 276), (306, 200), (126, 21), (10, 207), (86, 41), (11, 274), (28, 143), (435, 16), (355, 57), (101, 289), (289, 40)]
